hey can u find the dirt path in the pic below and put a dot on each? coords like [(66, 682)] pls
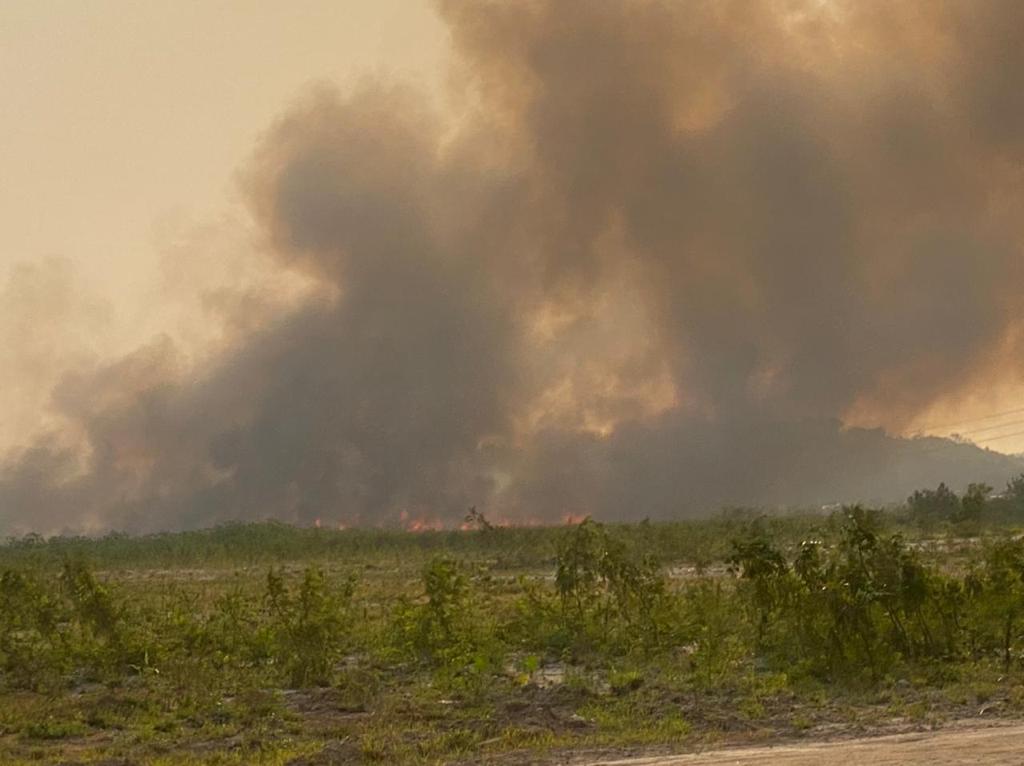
[(995, 745)]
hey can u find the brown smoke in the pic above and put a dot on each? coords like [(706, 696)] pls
[(659, 256)]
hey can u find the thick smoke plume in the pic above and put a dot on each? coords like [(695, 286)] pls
[(659, 258)]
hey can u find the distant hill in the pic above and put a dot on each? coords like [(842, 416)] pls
[(679, 467)]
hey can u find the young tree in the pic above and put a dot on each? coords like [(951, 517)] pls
[(1014, 494), (938, 504), (972, 505)]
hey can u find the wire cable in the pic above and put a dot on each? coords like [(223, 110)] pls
[(997, 438), (947, 426), (996, 427)]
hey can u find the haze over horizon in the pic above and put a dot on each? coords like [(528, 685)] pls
[(377, 261)]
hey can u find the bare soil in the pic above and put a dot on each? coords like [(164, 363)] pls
[(993, 744)]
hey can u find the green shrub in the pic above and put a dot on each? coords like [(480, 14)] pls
[(32, 648), (308, 625), (447, 630), (611, 599)]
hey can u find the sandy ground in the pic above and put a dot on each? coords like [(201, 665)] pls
[(998, 745)]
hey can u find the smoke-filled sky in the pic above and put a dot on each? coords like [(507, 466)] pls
[(372, 263)]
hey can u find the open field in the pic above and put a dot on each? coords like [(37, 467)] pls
[(268, 644)]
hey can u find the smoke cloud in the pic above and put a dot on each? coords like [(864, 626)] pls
[(660, 257)]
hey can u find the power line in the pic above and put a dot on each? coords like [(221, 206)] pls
[(948, 443), (996, 427), (997, 438), (948, 426)]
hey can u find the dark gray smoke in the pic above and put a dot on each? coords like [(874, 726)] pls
[(664, 253)]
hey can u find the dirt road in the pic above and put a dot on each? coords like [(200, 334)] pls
[(995, 745)]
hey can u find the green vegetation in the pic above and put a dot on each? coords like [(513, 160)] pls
[(264, 643)]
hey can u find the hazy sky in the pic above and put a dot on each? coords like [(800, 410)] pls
[(119, 116), (375, 260)]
